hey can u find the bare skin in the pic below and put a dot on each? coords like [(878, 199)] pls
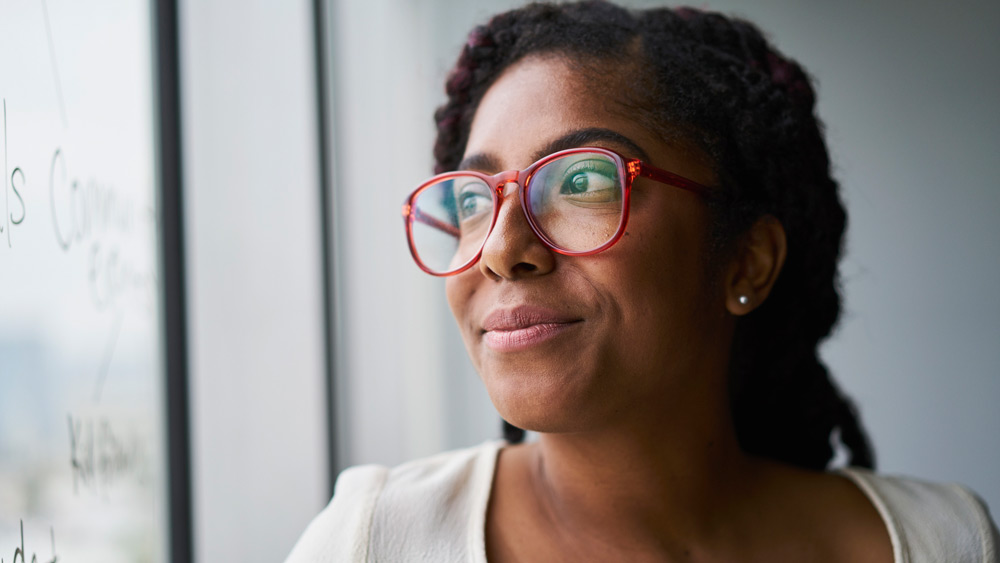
[(637, 458)]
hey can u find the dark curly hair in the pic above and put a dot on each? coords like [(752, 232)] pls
[(719, 83)]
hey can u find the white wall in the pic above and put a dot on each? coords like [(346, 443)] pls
[(251, 188), (907, 90)]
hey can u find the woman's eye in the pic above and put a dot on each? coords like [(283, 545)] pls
[(471, 203), (577, 183), (590, 178)]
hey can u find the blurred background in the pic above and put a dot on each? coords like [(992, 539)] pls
[(314, 342)]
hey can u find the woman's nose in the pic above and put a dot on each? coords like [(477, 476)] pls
[(512, 250)]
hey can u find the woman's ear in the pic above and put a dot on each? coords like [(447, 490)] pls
[(756, 265)]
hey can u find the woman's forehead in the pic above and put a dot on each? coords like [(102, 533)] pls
[(540, 103), (538, 100)]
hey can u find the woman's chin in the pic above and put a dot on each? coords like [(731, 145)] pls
[(545, 404)]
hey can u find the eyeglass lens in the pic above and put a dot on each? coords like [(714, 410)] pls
[(574, 201)]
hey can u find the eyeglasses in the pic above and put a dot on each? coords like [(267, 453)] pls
[(576, 202)]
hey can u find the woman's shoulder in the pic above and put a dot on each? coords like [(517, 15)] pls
[(930, 521), (432, 507), (340, 532)]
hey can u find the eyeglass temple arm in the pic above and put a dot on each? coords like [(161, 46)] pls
[(639, 168), (432, 221)]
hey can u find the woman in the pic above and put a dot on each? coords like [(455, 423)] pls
[(640, 234)]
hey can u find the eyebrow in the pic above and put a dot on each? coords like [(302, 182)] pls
[(573, 139)]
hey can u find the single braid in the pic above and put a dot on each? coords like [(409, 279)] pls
[(511, 433), (717, 82)]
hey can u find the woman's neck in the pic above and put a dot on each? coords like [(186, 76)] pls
[(659, 484), (671, 486)]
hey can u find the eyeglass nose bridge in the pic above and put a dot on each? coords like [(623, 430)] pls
[(503, 179), (514, 179)]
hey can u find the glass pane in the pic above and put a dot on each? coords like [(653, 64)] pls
[(82, 436)]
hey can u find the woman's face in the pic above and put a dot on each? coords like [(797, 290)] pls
[(572, 343)]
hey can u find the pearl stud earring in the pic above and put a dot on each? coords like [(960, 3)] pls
[(744, 300)]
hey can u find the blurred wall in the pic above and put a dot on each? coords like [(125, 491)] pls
[(252, 220), (907, 90)]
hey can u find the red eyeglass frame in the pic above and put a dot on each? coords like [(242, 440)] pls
[(628, 168)]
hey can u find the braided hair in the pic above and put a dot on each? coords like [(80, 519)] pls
[(719, 83)]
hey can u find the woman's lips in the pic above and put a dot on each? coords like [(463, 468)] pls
[(509, 330)]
